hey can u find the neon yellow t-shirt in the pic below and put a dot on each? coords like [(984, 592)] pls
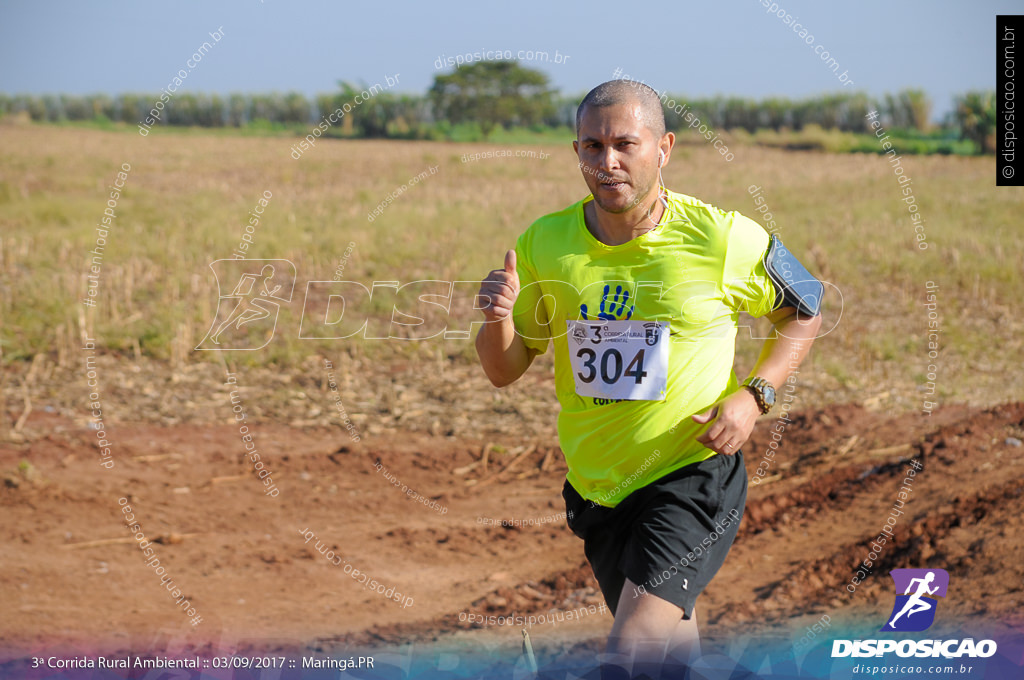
[(697, 270)]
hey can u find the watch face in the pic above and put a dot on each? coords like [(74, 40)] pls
[(768, 393)]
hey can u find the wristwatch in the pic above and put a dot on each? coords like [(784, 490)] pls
[(764, 393)]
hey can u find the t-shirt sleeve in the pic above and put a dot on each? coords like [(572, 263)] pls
[(529, 315), (745, 281)]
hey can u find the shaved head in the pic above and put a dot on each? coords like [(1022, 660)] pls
[(624, 93)]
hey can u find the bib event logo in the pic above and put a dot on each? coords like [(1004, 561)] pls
[(247, 316), (915, 608), (653, 332)]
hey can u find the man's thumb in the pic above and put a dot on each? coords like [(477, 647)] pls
[(705, 417), (510, 262)]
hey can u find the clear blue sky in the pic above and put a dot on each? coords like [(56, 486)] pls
[(702, 48)]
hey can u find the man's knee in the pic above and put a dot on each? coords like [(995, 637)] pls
[(639, 647)]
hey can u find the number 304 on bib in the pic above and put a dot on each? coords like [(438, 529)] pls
[(619, 359)]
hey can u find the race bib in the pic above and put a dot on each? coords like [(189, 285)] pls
[(619, 359)]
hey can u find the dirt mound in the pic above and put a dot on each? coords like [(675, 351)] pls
[(468, 532)]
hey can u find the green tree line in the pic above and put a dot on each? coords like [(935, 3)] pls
[(493, 94)]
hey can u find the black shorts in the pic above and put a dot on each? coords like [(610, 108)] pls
[(670, 537)]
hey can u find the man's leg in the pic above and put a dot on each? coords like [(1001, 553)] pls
[(646, 628), (684, 647)]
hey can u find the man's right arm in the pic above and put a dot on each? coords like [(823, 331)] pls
[(503, 354)]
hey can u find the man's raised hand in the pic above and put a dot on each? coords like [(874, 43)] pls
[(498, 292)]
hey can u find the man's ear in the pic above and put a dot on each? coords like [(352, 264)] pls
[(667, 142)]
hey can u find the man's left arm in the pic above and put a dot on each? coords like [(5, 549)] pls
[(732, 419)]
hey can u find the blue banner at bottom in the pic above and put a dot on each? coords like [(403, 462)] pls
[(961, 655)]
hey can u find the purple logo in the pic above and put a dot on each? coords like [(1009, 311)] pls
[(916, 593)]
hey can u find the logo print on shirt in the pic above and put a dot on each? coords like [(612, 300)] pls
[(620, 299)]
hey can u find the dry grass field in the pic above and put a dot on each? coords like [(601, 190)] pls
[(188, 197)]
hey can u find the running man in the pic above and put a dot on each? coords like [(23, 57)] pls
[(914, 603), (640, 289)]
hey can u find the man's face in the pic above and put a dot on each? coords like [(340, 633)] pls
[(618, 156)]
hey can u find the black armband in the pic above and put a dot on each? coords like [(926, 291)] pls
[(794, 285)]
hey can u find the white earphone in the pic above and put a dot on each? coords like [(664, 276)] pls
[(661, 182)]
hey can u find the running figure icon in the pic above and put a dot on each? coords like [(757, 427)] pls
[(916, 603), (250, 308), (246, 317)]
